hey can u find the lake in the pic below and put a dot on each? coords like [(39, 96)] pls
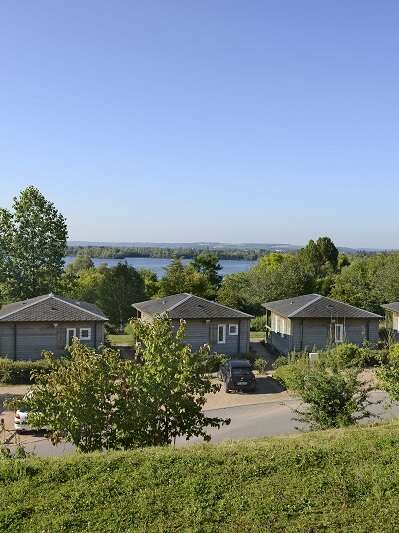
[(229, 266)]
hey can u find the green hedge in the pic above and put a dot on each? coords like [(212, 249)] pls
[(19, 372)]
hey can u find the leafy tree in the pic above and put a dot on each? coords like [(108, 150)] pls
[(86, 286), (76, 400), (368, 282), (234, 290), (32, 242), (176, 382), (208, 264), (82, 262), (120, 287), (275, 277), (333, 399), (179, 278), (99, 401), (150, 280), (284, 280)]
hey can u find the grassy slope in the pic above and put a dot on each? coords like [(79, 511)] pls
[(347, 480)]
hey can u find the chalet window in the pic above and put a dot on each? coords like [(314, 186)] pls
[(222, 334), (85, 334), (339, 333), (233, 329)]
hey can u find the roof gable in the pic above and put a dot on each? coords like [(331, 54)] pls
[(188, 306), (50, 308), (316, 306)]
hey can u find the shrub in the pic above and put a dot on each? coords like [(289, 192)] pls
[(388, 374), (291, 375), (20, 372), (350, 356), (260, 365), (280, 361), (258, 323), (333, 399), (214, 362)]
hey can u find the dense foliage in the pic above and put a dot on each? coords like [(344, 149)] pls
[(114, 252), (331, 481), (331, 388), (32, 247), (21, 372), (99, 401)]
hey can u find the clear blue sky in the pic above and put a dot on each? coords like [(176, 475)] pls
[(260, 121)]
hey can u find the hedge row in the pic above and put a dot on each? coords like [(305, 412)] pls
[(20, 372)]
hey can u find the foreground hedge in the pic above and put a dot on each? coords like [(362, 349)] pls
[(19, 372), (342, 480)]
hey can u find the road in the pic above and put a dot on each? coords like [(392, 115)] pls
[(247, 421)]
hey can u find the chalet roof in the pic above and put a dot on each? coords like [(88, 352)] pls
[(316, 306), (394, 306), (188, 306), (50, 308)]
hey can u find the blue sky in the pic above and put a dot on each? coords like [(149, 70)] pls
[(261, 121)]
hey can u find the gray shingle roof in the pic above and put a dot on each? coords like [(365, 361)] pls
[(188, 306), (394, 306), (316, 306), (50, 308)]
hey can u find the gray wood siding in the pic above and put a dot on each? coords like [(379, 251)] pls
[(314, 333), (6, 339), (32, 338), (200, 332)]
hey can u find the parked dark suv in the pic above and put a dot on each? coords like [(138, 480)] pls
[(237, 375)]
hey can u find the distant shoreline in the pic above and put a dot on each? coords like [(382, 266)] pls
[(107, 252)]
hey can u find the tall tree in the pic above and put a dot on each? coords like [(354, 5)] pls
[(179, 278), (120, 287), (82, 261), (33, 237), (208, 264)]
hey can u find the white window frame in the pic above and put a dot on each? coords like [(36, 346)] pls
[(67, 343), (223, 326), (341, 337), (88, 338), (235, 332)]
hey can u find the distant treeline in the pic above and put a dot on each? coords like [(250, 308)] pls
[(167, 253)]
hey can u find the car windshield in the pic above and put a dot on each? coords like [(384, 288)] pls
[(238, 371)]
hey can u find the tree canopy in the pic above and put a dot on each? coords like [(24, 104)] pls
[(33, 238)]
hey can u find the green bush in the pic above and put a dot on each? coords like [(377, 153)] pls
[(280, 361), (292, 375), (349, 355), (258, 323), (214, 362), (332, 399), (20, 372), (260, 365)]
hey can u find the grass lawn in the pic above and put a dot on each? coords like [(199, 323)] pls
[(257, 334), (343, 480), (121, 339)]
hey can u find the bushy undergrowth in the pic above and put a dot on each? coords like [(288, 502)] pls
[(20, 372), (260, 365), (341, 480)]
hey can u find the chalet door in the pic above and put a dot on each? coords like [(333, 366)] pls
[(70, 334)]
